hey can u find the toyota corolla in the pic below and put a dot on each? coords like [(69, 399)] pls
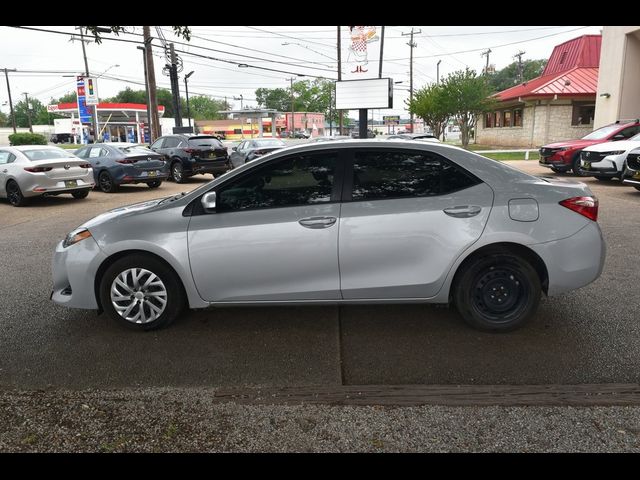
[(356, 221)]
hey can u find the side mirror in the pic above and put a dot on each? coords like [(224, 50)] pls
[(234, 149), (618, 137), (209, 202)]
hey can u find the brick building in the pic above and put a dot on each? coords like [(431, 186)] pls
[(558, 105)]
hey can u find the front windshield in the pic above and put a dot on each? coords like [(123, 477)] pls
[(601, 133)]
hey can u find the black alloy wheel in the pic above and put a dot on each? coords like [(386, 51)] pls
[(14, 194)]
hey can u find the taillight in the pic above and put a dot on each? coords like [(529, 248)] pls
[(126, 161), (587, 206), (38, 169)]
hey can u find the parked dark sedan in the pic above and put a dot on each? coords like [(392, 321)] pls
[(189, 155), (251, 149), (115, 164)]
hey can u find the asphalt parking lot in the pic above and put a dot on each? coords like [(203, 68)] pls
[(588, 336)]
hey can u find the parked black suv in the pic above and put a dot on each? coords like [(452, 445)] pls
[(61, 138), (193, 154)]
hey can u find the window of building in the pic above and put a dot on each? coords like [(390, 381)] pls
[(517, 117), (497, 119), (295, 180), (384, 174), (583, 113), (488, 120), (508, 117)]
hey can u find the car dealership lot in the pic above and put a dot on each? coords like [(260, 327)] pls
[(587, 336)]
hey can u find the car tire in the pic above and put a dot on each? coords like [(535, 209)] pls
[(497, 292), (106, 183), (80, 194), (177, 172), (575, 165), (118, 287), (154, 184), (14, 194), (603, 179)]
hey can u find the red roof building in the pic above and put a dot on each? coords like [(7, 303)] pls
[(558, 105)]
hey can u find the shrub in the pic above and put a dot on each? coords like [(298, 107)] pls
[(27, 139)]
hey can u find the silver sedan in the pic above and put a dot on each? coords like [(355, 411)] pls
[(34, 170), (357, 221)]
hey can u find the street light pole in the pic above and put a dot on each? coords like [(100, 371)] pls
[(186, 89)]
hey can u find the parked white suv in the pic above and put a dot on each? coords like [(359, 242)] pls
[(607, 160)]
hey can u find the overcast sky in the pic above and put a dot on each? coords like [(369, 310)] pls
[(310, 51)]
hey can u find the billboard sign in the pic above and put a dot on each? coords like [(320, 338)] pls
[(84, 112), (369, 93), (391, 119)]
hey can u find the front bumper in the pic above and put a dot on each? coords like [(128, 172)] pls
[(74, 271), (575, 261), (549, 162)]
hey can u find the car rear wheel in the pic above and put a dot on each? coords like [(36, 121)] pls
[(497, 292), (80, 194), (14, 194), (154, 184), (106, 183), (177, 172), (141, 292)]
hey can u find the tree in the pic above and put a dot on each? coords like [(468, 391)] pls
[(69, 97), (508, 76), (205, 108), (180, 31), (38, 112), (276, 98), (430, 103), (466, 96), (4, 120)]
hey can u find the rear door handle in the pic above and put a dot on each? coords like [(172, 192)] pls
[(464, 211), (317, 222)]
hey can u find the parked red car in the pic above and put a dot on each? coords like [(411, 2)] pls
[(565, 156)]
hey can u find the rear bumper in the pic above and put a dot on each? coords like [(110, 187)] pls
[(214, 166), (575, 261), (37, 190)]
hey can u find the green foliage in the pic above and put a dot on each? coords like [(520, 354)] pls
[(277, 98), (205, 108), (466, 96), (179, 31), (4, 120), (431, 104), (508, 76), (38, 112), (309, 96), (27, 138)]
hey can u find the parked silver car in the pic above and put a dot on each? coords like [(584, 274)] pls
[(34, 170), (357, 221)]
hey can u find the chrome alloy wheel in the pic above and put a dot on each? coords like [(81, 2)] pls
[(138, 295)]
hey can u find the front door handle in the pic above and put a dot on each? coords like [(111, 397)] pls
[(464, 211), (5, 170), (317, 222)]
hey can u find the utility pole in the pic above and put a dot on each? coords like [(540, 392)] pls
[(520, 70), (146, 90), (186, 90), (175, 87), (26, 101), (13, 115), (381, 50), (94, 118), (486, 52), (293, 122), (154, 120), (339, 77), (412, 45), (438, 72)]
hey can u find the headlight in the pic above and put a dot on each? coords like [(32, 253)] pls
[(617, 152), (76, 236)]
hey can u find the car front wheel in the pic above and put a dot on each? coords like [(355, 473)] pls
[(141, 292), (497, 292)]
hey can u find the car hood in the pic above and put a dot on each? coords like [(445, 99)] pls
[(573, 144), (614, 146), (123, 211)]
